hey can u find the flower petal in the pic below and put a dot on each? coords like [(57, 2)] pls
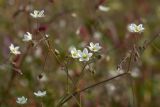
[(85, 50), (41, 13), (80, 53), (91, 44), (81, 59)]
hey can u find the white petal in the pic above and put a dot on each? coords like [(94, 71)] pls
[(17, 48), (41, 13), (90, 48), (98, 47), (131, 27), (140, 25), (10, 48), (87, 59), (85, 50), (91, 44), (81, 59), (33, 15), (73, 50), (36, 12), (29, 34), (80, 53)]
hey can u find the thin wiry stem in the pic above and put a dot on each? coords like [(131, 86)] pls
[(156, 48), (47, 42), (89, 87), (51, 50), (155, 37), (79, 103), (82, 72), (99, 83)]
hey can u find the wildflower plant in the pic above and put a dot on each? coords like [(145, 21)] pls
[(84, 55), (135, 28), (27, 37), (14, 49), (21, 100), (40, 93), (74, 52), (37, 14), (85, 59), (94, 47)]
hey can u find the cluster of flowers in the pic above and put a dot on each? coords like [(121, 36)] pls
[(28, 36), (15, 50), (23, 100), (75, 53), (85, 55)]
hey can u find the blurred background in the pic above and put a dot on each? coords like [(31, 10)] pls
[(77, 23)]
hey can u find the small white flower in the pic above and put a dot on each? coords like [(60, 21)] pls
[(37, 14), (27, 37), (21, 100), (135, 28), (74, 52), (40, 93), (94, 47), (103, 8), (14, 50), (84, 56)]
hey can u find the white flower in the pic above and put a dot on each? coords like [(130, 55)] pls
[(40, 93), (27, 37), (103, 8), (74, 52), (84, 56), (21, 100), (37, 14), (14, 50), (94, 47), (135, 28)]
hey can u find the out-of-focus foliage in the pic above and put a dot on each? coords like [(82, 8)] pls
[(62, 20)]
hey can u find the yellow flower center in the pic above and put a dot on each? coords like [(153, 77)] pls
[(84, 56), (75, 54), (137, 29)]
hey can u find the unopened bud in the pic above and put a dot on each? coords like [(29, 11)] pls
[(57, 52)]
